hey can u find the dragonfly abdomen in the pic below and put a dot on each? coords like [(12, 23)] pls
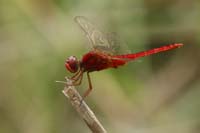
[(129, 57)]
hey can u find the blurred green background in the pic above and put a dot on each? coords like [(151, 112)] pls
[(156, 94)]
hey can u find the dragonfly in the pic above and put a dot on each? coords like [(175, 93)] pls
[(102, 54)]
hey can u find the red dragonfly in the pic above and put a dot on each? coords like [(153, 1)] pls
[(102, 54)]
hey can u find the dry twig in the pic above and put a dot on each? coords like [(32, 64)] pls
[(83, 110)]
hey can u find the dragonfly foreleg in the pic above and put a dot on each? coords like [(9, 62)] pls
[(79, 80), (76, 79), (75, 76)]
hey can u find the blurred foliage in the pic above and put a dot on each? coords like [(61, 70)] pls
[(159, 93)]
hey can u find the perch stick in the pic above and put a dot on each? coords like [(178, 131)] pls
[(83, 109)]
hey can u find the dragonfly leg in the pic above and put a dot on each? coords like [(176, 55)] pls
[(90, 87), (75, 76), (78, 80)]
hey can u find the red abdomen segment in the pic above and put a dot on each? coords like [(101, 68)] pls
[(149, 52)]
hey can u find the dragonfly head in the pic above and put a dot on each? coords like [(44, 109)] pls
[(72, 64)]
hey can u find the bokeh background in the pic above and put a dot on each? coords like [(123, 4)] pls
[(155, 94)]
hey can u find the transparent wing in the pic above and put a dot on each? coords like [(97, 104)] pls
[(117, 45), (109, 43)]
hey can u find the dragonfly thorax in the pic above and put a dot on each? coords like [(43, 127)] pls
[(72, 64)]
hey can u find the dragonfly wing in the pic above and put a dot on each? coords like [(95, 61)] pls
[(117, 45), (97, 39), (109, 43)]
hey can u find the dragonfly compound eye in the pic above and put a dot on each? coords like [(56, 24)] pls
[(72, 64)]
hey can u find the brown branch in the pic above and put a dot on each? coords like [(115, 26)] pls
[(83, 110)]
